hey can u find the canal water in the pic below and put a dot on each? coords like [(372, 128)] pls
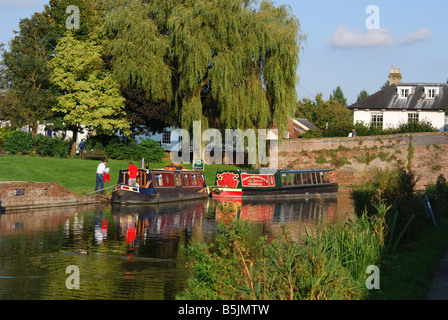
[(134, 252)]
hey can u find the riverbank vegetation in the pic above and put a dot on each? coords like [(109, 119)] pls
[(329, 263)]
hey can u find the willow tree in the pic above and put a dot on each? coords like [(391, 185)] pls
[(90, 96), (228, 63)]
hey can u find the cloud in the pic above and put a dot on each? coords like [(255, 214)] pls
[(343, 37), (419, 35)]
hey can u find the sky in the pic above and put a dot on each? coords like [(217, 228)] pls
[(350, 43)]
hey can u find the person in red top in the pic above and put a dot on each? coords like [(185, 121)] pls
[(133, 171)]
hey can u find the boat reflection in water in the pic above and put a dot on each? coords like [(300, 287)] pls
[(141, 225), (298, 214)]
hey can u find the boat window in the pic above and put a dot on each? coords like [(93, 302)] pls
[(317, 177), (158, 179), (287, 179), (177, 180), (297, 179), (193, 180), (185, 179), (306, 178), (325, 177)]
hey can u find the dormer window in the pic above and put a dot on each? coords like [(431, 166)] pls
[(404, 92), (431, 92)]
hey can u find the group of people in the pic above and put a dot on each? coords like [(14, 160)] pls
[(102, 175)]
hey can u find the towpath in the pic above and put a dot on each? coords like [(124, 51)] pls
[(439, 287)]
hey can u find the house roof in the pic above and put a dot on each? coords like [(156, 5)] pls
[(389, 99), (306, 124)]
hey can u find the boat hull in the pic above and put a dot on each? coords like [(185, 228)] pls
[(123, 196), (281, 184), (277, 193), (227, 193)]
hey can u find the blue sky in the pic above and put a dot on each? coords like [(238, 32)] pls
[(340, 49)]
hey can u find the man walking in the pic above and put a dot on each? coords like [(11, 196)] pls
[(100, 171)]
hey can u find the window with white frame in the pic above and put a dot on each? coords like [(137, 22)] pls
[(404, 93), (431, 93), (376, 118), (412, 117)]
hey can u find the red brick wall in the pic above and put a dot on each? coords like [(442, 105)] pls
[(357, 159), (38, 194)]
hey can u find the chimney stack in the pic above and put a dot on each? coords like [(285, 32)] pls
[(394, 76)]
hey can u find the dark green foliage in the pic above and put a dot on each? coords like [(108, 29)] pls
[(438, 196), (394, 189), (19, 142), (50, 146), (370, 129), (127, 149)]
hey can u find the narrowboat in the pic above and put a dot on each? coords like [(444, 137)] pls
[(281, 183), (160, 185)]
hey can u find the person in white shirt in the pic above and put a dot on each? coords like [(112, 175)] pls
[(100, 171)]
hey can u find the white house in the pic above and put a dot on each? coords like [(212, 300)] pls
[(404, 102)]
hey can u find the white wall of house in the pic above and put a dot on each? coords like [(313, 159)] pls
[(392, 118)]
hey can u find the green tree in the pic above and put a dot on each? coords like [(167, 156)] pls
[(28, 95), (385, 85), (331, 116), (362, 95), (89, 95), (338, 95), (231, 63)]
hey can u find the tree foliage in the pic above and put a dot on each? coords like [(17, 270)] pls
[(90, 96), (28, 95), (230, 64), (227, 63), (362, 95), (338, 95), (331, 116)]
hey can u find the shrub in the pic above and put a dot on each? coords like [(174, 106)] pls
[(50, 146), (312, 134), (150, 150), (19, 142), (394, 189), (4, 135), (122, 148)]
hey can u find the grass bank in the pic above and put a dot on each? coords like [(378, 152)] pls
[(408, 274), (73, 174)]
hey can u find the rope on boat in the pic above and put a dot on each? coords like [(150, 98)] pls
[(102, 189)]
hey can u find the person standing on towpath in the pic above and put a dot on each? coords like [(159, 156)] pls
[(100, 171)]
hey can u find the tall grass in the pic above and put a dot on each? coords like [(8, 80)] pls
[(329, 263)]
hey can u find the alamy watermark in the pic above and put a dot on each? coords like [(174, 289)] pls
[(234, 145), (373, 21), (72, 281), (373, 280), (72, 22)]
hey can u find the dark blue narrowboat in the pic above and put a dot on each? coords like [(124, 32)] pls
[(160, 185)]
